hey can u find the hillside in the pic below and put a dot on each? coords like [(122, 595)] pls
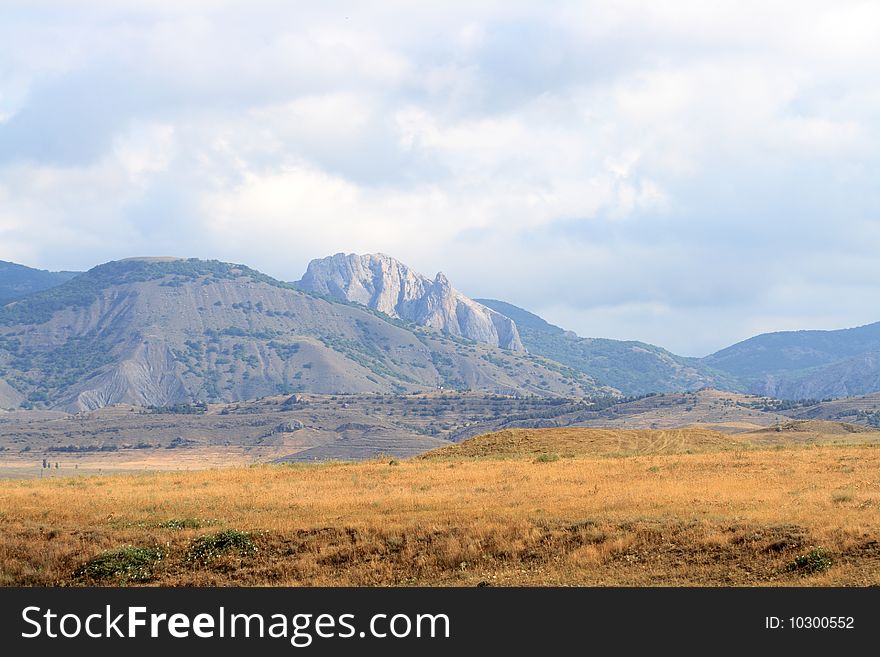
[(825, 427), (163, 331), (728, 412), (784, 365), (805, 364), (634, 368), (387, 285), (863, 410), (549, 444), (18, 281)]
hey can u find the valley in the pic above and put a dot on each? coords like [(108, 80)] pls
[(280, 428), (310, 428)]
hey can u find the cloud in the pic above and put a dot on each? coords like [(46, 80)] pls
[(684, 174)]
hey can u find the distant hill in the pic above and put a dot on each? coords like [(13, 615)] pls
[(166, 331), (382, 283), (786, 365), (813, 426), (728, 412), (553, 443), (634, 368), (805, 364), (864, 410), (18, 281)]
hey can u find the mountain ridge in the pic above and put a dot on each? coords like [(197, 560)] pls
[(806, 364), (19, 280), (152, 332), (633, 367)]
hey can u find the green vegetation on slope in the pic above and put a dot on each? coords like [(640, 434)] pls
[(634, 368), (18, 281), (788, 351), (787, 365), (798, 364), (85, 288)]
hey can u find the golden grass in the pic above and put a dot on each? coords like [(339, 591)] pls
[(578, 441), (714, 518)]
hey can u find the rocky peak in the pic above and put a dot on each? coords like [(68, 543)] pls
[(380, 282)]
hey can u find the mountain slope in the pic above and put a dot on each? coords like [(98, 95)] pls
[(164, 331), (9, 396), (863, 410), (806, 364), (387, 285), (634, 368), (18, 281)]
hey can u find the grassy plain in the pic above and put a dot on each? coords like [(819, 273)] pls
[(551, 513)]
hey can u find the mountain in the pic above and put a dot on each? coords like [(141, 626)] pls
[(806, 364), (18, 280), (634, 368), (387, 285), (784, 365), (161, 331)]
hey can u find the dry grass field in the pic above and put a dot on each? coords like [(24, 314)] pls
[(562, 512), (578, 441)]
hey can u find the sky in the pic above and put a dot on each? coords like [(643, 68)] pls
[(683, 173)]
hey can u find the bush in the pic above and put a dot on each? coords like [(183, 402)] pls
[(197, 408), (816, 560), (207, 548), (547, 458), (128, 564)]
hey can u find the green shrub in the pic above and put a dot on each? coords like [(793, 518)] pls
[(817, 560), (547, 458), (128, 564), (205, 549)]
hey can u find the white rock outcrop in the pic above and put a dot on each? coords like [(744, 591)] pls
[(380, 282)]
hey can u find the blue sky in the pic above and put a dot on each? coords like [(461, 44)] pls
[(683, 173)]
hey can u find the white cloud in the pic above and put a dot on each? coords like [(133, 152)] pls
[(66, 210), (145, 150), (635, 169)]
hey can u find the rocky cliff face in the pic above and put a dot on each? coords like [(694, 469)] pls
[(387, 285)]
